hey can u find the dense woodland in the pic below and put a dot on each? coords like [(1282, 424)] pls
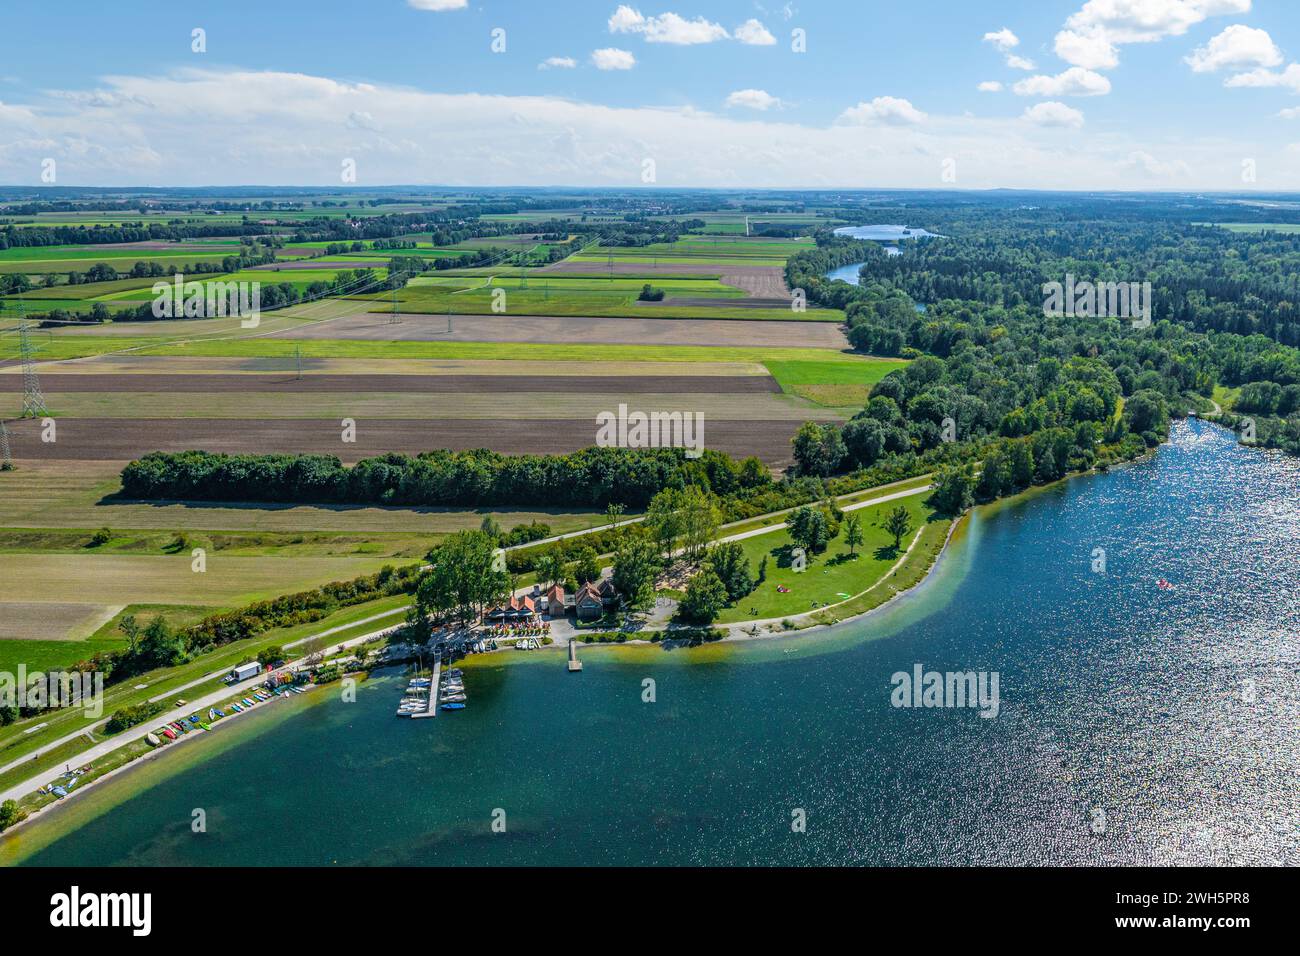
[(1075, 391)]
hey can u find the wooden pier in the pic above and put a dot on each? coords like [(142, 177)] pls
[(432, 709), (574, 663)]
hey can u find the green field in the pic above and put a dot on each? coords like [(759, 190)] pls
[(830, 577), (833, 384)]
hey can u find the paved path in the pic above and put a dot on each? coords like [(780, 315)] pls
[(138, 732), (907, 492)]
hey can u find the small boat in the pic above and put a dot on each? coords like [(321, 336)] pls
[(212, 713), (453, 706), (455, 698), (205, 725), (153, 739), (58, 792)]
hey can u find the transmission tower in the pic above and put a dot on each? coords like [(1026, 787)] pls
[(33, 400), (6, 459), (393, 319)]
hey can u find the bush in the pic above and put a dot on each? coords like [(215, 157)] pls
[(130, 716)]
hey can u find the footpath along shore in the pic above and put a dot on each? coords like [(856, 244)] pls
[(736, 631)]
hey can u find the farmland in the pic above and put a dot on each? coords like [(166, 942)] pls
[(518, 352)]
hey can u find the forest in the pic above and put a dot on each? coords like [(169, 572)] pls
[(1054, 394)]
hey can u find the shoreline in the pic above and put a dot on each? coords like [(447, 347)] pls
[(735, 635), (45, 811)]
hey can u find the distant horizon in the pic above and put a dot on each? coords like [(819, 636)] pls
[(379, 187)]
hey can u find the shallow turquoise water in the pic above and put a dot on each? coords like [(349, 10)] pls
[(1117, 696)]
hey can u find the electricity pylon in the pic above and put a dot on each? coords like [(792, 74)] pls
[(6, 459), (33, 400)]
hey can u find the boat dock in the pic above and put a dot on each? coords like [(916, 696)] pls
[(432, 709), (574, 663)]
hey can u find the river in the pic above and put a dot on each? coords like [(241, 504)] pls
[(1138, 724)]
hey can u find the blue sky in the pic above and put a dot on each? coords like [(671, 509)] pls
[(1130, 94)]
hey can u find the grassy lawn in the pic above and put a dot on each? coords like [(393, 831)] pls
[(830, 577), (913, 569), (834, 384)]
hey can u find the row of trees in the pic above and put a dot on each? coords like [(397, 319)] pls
[(592, 477)]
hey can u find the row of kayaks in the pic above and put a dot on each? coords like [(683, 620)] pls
[(179, 728)]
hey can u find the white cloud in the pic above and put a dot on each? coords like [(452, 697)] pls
[(1143, 162), (1052, 113), (438, 6), (1076, 81), (557, 63), (1003, 39), (626, 20), (753, 33), (1237, 47), (990, 86), (1092, 34), (1288, 78), (753, 99), (612, 58), (666, 27), (265, 127), (1291, 112), (889, 110), (1091, 51)]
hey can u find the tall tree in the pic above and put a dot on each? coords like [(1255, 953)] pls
[(898, 523), (464, 577), (853, 533), (636, 565)]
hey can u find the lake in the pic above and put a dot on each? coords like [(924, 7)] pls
[(849, 273), (1137, 723)]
